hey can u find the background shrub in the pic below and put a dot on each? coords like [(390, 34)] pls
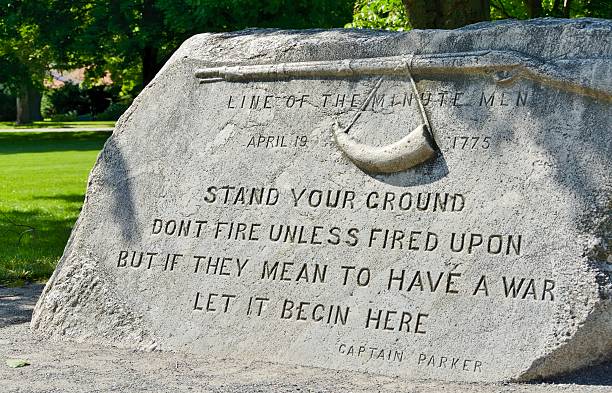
[(86, 102), (7, 107), (62, 117), (68, 98), (114, 111)]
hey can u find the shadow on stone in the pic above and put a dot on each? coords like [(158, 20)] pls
[(426, 173), (116, 175)]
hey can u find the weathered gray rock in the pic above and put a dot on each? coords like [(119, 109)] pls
[(225, 217)]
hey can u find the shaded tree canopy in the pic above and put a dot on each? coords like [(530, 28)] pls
[(446, 14), (32, 37), (132, 39)]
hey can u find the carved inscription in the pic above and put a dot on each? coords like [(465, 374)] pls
[(232, 195), (407, 239), (487, 98), (272, 141), (398, 355), (410, 239), (396, 100), (397, 280), (392, 240), (429, 215)]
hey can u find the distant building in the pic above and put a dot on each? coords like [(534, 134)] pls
[(77, 76)]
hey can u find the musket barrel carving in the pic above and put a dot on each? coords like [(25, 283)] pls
[(477, 62), (417, 146)]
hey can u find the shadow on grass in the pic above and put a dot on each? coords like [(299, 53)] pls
[(42, 142), (70, 198), (33, 242), (57, 124)]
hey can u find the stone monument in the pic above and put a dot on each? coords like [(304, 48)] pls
[(430, 204)]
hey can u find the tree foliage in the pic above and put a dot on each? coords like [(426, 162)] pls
[(132, 39), (392, 14), (380, 14), (34, 35), (446, 14), (525, 9), (136, 37)]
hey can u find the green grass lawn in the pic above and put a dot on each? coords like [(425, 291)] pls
[(43, 177), (59, 124)]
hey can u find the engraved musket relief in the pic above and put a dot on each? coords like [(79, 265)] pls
[(418, 146)]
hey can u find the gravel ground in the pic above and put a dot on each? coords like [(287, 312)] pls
[(74, 367)]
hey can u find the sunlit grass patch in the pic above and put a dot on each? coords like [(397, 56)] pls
[(43, 177)]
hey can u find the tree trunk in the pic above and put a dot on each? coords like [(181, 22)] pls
[(555, 8), (28, 105), (34, 100), (150, 66), (151, 23), (534, 8), (566, 8), (446, 14)]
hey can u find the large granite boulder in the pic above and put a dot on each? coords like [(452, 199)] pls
[(429, 204)]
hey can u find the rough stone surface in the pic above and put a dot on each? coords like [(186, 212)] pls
[(82, 367), (413, 273)]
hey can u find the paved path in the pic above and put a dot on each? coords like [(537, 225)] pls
[(61, 129), (58, 366)]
